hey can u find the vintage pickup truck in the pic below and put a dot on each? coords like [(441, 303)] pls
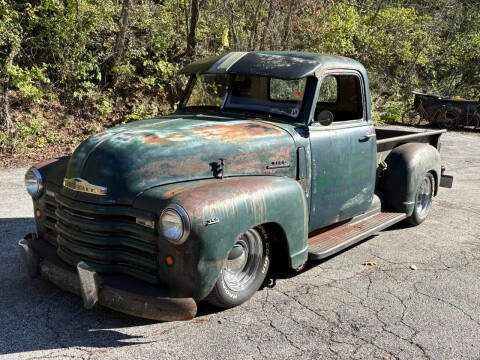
[(272, 157)]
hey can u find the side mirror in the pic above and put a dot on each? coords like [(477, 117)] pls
[(324, 117)]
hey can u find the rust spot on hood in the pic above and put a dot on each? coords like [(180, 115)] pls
[(162, 140), (154, 139), (237, 132)]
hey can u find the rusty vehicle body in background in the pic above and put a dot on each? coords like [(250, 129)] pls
[(272, 157), (442, 112)]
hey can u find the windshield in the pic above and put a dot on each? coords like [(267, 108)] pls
[(245, 92)]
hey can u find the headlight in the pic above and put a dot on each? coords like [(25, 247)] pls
[(34, 182), (175, 224)]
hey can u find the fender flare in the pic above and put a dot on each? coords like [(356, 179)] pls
[(406, 166), (220, 210)]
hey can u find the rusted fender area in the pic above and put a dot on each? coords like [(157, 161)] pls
[(406, 166), (220, 210)]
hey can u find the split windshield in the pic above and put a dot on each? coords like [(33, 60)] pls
[(245, 92)]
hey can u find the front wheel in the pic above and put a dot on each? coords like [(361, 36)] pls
[(244, 270), (423, 200)]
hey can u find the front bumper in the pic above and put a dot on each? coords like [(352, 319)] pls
[(113, 292)]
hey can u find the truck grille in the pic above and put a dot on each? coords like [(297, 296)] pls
[(106, 237), (49, 208)]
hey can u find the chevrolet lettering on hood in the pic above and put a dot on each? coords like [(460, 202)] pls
[(81, 185)]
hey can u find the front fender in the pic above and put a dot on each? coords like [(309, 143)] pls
[(233, 205), (406, 166), (53, 170)]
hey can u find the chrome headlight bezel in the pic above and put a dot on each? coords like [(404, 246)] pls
[(184, 220), (34, 182)]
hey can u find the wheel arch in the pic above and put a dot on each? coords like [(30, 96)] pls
[(436, 177), (406, 166), (280, 249), (221, 210)]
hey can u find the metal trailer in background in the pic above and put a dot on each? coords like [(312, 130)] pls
[(442, 112)]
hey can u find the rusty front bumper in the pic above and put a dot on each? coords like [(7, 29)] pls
[(85, 282)]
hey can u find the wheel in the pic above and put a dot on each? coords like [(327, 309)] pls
[(244, 270), (447, 120), (423, 200)]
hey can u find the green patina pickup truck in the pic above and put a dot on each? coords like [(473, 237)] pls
[(271, 158)]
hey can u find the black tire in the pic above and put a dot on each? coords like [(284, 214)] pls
[(423, 200), (227, 293), (448, 120)]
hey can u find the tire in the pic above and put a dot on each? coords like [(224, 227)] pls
[(423, 200), (244, 269), (447, 120)]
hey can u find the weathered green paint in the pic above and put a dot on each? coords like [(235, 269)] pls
[(343, 172), (150, 164), (239, 203), (407, 165), (141, 155)]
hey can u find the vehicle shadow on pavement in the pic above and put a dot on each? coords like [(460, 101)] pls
[(283, 273), (35, 315)]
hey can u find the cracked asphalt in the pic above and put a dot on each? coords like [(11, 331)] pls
[(336, 308)]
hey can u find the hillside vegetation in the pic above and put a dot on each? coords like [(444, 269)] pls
[(69, 68)]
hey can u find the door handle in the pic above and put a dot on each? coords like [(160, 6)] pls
[(367, 136)]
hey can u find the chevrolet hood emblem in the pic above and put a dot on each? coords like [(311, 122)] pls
[(81, 185)]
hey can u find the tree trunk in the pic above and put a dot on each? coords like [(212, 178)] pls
[(267, 25), (77, 8), (5, 104), (192, 33), (288, 26), (232, 26), (119, 49), (253, 31)]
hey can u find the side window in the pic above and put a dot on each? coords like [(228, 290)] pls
[(328, 90), (287, 90), (342, 96)]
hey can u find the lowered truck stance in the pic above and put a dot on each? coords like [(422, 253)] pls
[(271, 157)]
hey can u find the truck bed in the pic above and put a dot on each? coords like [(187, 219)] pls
[(387, 139)]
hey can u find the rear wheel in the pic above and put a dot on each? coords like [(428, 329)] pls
[(447, 119), (423, 200), (244, 270)]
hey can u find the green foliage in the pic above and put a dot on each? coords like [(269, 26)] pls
[(104, 107), (140, 112), (94, 128), (393, 111), (55, 53), (28, 81)]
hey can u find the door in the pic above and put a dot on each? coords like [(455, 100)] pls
[(343, 153)]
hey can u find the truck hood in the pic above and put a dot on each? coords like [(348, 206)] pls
[(130, 159)]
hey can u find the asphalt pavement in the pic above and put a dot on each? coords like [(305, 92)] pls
[(420, 298)]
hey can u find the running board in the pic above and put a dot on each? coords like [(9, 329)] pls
[(337, 238)]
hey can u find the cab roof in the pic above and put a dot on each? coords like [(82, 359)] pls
[(279, 64)]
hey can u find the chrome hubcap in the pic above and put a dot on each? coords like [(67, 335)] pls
[(243, 261), (424, 197)]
